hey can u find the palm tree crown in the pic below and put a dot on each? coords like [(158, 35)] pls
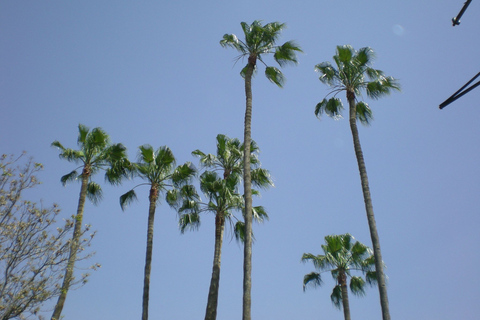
[(353, 74), (342, 256), (260, 41)]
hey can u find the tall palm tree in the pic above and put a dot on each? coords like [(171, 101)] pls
[(354, 74), (96, 153), (157, 168), (220, 186), (260, 40), (341, 256)]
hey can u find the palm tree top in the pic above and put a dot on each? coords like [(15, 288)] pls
[(260, 40), (354, 74)]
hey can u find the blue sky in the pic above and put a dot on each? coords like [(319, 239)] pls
[(154, 72)]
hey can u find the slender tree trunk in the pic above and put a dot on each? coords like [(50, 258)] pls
[(148, 259), (382, 287), (211, 312), (247, 182), (342, 279), (77, 231)]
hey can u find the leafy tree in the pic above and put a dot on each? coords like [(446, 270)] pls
[(260, 40), (341, 257), (354, 74), (220, 185), (96, 153), (157, 168), (34, 248)]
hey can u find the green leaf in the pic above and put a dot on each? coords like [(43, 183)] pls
[(69, 177), (312, 279), (364, 113), (127, 198), (94, 192), (275, 75), (333, 107)]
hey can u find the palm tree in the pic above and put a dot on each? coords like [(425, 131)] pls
[(353, 75), (341, 256), (96, 153), (259, 40), (220, 186), (157, 168)]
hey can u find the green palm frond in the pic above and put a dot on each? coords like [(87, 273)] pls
[(146, 154), (357, 286), (336, 296), (333, 107), (261, 178), (69, 177), (364, 113), (183, 174), (259, 214), (189, 221), (312, 279), (239, 231), (94, 192), (82, 134), (286, 53), (127, 198), (275, 75)]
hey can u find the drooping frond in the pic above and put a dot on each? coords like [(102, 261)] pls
[(336, 296), (189, 221), (69, 177), (357, 286), (127, 198), (364, 113), (94, 192), (275, 75), (312, 279), (261, 178), (333, 107), (259, 214)]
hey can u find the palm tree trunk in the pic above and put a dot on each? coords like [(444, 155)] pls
[(382, 287), (342, 278), (247, 182), (211, 312), (148, 259), (77, 231)]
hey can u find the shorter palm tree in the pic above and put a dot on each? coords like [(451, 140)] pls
[(342, 256), (220, 186), (96, 153), (157, 168)]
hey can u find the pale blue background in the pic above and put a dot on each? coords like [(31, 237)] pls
[(154, 72)]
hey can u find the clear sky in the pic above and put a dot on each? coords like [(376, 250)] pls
[(154, 72)]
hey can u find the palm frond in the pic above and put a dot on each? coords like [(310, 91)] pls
[(312, 279), (189, 221), (336, 296), (286, 53), (275, 75), (259, 214), (128, 198), (332, 107), (94, 192), (357, 286), (69, 177)]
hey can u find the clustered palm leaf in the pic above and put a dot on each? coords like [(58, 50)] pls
[(353, 74), (95, 153), (259, 41), (158, 169), (342, 256)]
